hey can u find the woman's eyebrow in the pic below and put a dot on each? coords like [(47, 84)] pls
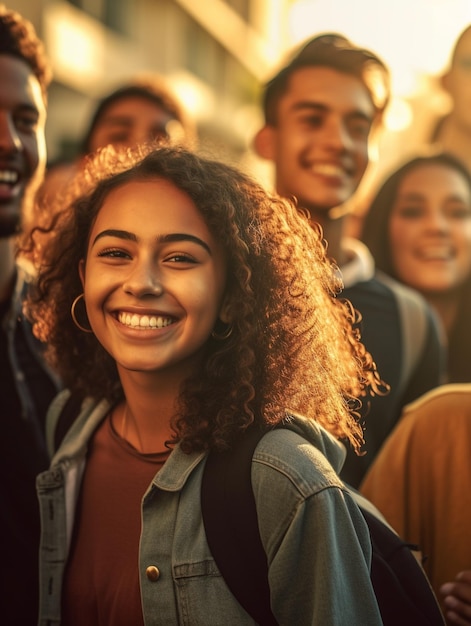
[(184, 237), (172, 237), (111, 232), (410, 195)]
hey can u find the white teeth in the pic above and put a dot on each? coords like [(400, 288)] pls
[(144, 321), (9, 177), (327, 169)]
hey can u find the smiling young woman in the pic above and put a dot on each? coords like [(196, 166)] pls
[(418, 229), (212, 311)]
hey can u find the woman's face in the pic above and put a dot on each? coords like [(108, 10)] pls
[(430, 229), (154, 277)]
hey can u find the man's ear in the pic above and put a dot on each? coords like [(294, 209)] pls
[(264, 143), (81, 271), (445, 81)]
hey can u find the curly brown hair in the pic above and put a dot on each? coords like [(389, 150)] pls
[(292, 345), (18, 38)]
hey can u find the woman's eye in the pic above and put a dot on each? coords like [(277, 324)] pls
[(410, 212), (113, 253), (460, 212), (180, 257)]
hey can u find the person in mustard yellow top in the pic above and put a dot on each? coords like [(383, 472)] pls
[(421, 482)]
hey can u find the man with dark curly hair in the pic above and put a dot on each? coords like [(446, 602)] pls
[(27, 384)]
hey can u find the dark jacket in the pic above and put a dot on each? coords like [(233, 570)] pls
[(28, 386)]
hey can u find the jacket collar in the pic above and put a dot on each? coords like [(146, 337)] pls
[(360, 266)]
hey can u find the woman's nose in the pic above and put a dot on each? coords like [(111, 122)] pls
[(143, 280), (437, 221)]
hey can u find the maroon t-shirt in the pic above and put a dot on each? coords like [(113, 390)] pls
[(101, 585)]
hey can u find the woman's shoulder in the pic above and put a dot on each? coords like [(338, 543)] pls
[(301, 453)]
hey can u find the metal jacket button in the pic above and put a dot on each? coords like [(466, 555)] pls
[(152, 573)]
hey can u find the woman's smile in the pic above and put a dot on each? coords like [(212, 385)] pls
[(145, 322)]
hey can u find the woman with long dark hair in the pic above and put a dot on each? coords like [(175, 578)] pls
[(418, 229)]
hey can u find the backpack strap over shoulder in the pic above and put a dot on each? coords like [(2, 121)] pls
[(231, 524), (414, 324), (230, 519)]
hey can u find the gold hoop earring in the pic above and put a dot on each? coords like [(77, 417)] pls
[(74, 317), (224, 335)]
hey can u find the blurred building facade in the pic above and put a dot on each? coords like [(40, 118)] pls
[(215, 54)]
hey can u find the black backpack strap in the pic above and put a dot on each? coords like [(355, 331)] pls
[(231, 524), (414, 326)]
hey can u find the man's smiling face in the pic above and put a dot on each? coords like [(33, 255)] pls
[(22, 140), (319, 143)]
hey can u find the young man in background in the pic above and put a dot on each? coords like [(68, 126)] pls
[(320, 111), (27, 385)]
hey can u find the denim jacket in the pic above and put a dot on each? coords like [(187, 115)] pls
[(315, 537)]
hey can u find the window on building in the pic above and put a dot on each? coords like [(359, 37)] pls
[(114, 14), (204, 56)]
